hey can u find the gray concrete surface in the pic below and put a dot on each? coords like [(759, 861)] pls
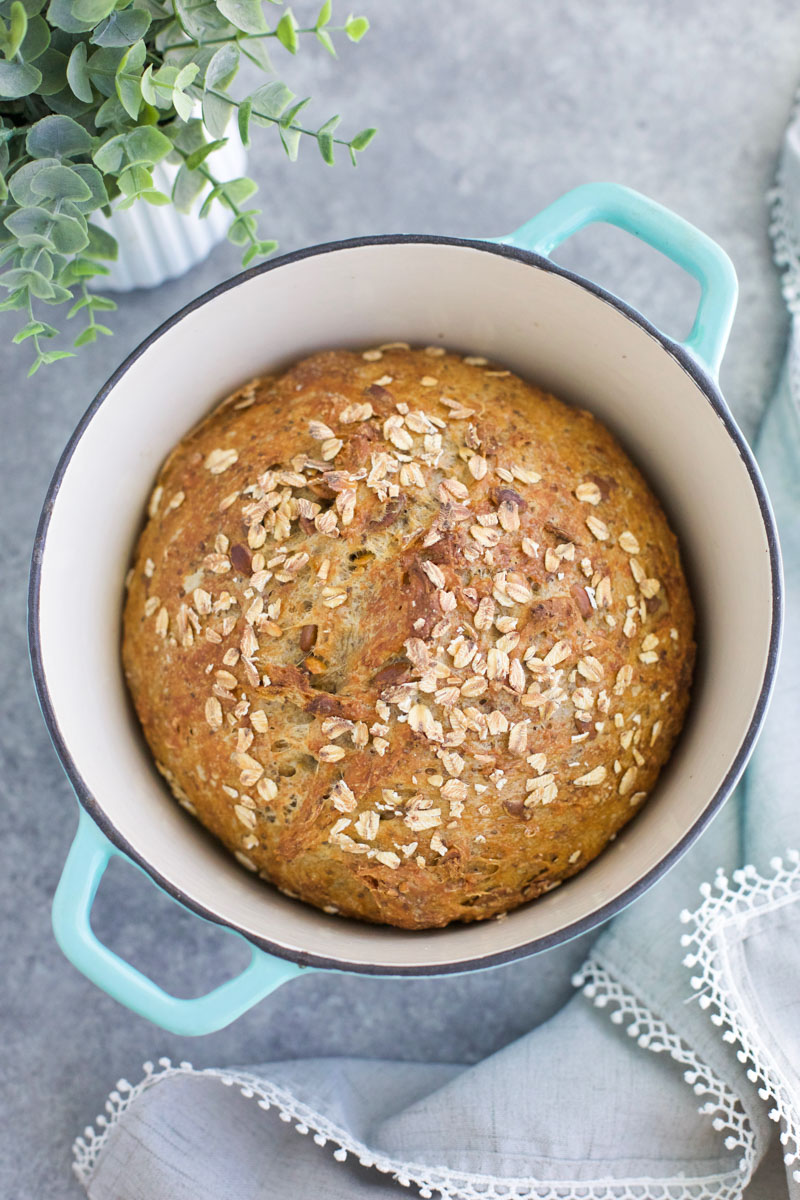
[(486, 113)]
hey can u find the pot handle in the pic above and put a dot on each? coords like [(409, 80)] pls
[(86, 862), (661, 229)]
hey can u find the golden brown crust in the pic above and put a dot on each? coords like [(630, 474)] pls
[(411, 637)]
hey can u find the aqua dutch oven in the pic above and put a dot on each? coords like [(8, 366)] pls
[(505, 299)]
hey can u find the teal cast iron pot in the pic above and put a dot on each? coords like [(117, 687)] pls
[(502, 298)]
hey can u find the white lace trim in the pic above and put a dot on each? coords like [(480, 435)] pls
[(458, 1185), (722, 1103), (747, 894)]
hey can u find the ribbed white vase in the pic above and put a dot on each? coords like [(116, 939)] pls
[(158, 243)]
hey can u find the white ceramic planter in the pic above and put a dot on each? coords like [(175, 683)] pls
[(510, 303), (158, 243)]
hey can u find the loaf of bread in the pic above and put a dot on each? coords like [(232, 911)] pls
[(411, 637)]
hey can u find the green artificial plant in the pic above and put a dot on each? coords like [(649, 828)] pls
[(94, 93)]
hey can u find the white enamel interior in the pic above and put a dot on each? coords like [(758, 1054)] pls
[(542, 325)]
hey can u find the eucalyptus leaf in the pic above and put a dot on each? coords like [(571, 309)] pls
[(356, 27), (62, 14), (246, 15), (101, 244), (187, 187), (37, 39), (103, 66), (217, 112), (57, 137), (59, 183), (269, 101), (92, 10), (77, 73), (290, 138), (327, 41), (221, 70), (17, 28), (94, 181), (31, 226), (69, 235), (18, 79), (21, 182), (200, 155), (203, 19), (286, 31), (128, 78), (325, 143), (122, 28), (52, 65), (243, 118), (363, 139)]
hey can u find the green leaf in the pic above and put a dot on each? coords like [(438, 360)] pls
[(103, 66), (128, 78), (15, 301), (325, 143), (18, 27), (324, 15), (356, 27), (202, 19), (269, 101), (69, 235), (52, 65), (221, 70), (258, 250), (77, 74), (59, 183), (37, 39), (154, 197), (363, 139), (146, 145), (199, 156), (50, 357), (101, 244), (111, 113), (187, 187), (183, 104), (135, 179), (330, 125), (92, 10), (216, 114), (35, 281), (291, 113), (17, 80), (122, 28), (94, 181), (327, 41), (186, 75), (20, 183), (242, 230), (57, 137), (243, 117), (244, 14), (149, 93), (236, 191), (291, 142), (32, 329), (31, 227), (286, 31), (62, 14), (256, 50)]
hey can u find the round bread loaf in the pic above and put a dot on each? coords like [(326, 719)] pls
[(411, 637)]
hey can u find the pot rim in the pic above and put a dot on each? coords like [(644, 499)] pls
[(711, 392)]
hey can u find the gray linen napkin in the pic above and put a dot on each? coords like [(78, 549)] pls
[(669, 1098)]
